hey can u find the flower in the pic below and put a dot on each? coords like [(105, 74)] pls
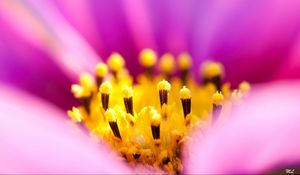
[(63, 44)]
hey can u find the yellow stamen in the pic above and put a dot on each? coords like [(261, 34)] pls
[(77, 90), (164, 85), (155, 119), (185, 93), (115, 62), (112, 120), (167, 63), (218, 98), (106, 88), (75, 114), (155, 125), (236, 96), (184, 61), (152, 130), (210, 69), (217, 105), (148, 58), (163, 88), (127, 92), (87, 82), (110, 115), (101, 69), (128, 101), (244, 87), (105, 91)]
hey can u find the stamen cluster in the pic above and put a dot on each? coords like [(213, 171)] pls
[(148, 122)]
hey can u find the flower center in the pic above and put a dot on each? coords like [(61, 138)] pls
[(148, 122)]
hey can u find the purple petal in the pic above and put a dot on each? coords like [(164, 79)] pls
[(290, 68), (260, 135), (110, 21), (247, 36), (244, 35), (41, 24), (36, 138), (30, 69), (138, 19), (41, 53), (79, 14)]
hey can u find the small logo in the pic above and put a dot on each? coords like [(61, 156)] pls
[(289, 171)]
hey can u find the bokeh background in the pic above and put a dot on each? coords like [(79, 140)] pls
[(44, 45)]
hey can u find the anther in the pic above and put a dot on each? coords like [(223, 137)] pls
[(88, 85), (136, 155), (75, 114), (163, 87), (167, 65), (101, 71), (83, 95), (244, 87), (111, 118), (155, 125), (164, 157), (185, 96), (217, 105), (166, 160), (77, 90), (116, 63), (212, 72), (87, 82), (236, 97), (184, 63), (148, 59), (128, 99), (105, 90)]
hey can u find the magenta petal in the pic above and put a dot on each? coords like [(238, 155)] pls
[(41, 24), (291, 67), (36, 59), (79, 14), (36, 138), (137, 17), (18, 67), (260, 135), (247, 35)]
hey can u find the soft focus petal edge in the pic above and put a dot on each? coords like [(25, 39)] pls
[(36, 138)]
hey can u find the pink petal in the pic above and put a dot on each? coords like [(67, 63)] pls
[(137, 17), (247, 35), (291, 67), (80, 15), (173, 22), (36, 138), (41, 24), (260, 135), (18, 66)]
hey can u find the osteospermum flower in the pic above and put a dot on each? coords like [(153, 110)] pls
[(46, 45)]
